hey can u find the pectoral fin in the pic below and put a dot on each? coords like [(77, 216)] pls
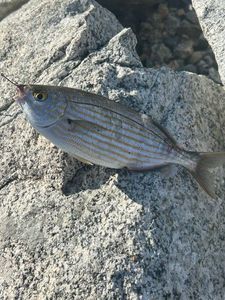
[(73, 124)]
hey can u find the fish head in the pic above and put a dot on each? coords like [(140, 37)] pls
[(42, 105)]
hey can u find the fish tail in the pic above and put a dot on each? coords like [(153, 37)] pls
[(201, 173)]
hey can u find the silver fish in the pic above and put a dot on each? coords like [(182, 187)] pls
[(96, 130)]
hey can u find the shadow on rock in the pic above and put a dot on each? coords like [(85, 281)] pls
[(178, 241), (90, 177), (86, 177), (175, 242)]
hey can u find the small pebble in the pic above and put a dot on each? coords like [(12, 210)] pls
[(163, 10), (196, 57), (180, 12), (171, 41), (209, 60), (161, 53), (171, 24), (184, 49), (203, 67), (187, 28), (176, 64)]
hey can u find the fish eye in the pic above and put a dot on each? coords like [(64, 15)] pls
[(40, 96)]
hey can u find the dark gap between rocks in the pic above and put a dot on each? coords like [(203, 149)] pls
[(168, 34)]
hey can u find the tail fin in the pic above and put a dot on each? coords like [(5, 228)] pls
[(202, 174)]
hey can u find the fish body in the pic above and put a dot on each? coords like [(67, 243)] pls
[(103, 132), (97, 130)]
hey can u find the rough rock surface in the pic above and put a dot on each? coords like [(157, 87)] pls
[(71, 231), (211, 15), (8, 6)]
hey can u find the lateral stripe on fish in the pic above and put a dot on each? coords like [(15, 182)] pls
[(123, 146), (126, 117), (134, 136), (86, 111), (101, 149), (108, 140), (76, 141)]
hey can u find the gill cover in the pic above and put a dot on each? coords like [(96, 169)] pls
[(44, 105)]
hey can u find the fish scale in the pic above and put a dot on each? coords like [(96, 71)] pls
[(62, 136)]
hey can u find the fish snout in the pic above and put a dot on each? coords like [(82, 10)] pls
[(20, 94)]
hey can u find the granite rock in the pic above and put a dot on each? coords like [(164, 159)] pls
[(211, 15), (71, 231), (8, 6)]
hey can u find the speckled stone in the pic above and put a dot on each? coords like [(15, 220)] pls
[(71, 231), (211, 16), (8, 6)]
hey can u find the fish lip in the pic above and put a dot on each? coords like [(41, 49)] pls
[(21, 94)]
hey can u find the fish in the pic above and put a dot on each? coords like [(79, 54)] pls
[(97, 130)]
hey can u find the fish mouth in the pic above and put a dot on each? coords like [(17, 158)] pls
[(20, 94)]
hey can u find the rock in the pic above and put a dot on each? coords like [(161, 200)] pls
[(187, 28), (70, 231), (171, 41), (180, 12), (189, 68), (184, 49), (171, 24), (211, 15), (209, 60), (214, 75), (161, 53), (196, 56), (203, 67), (8, 6), (163, 10), (176, 64)]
